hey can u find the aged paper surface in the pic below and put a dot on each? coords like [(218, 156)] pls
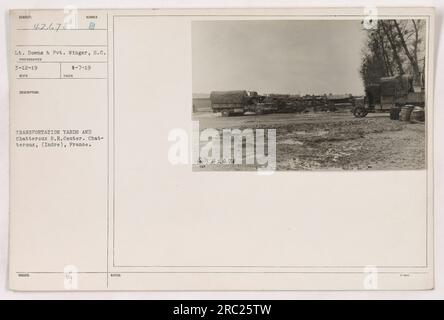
[(116, 183)]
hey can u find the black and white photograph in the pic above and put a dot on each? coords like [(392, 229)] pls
[(334, 94)]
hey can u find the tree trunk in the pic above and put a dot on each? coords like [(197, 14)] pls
[(412, 59), (396, 57), (388, 67)]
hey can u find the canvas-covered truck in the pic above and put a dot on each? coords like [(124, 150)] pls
[(389, 95), (231, 103)]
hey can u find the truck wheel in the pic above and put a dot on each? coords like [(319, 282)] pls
[(226, 113), (360, 112), (394, 113)]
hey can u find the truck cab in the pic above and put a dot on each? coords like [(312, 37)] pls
[(389, 95)]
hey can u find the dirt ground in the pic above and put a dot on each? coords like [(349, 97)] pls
[(330, 141)]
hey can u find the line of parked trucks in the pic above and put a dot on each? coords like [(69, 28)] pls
[(390, 95), (230, 103)]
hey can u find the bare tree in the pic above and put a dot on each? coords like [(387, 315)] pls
[(412, 56), (394, 47), (386, 59), (396, 57)]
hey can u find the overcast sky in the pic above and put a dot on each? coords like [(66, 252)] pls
[(277, 56)]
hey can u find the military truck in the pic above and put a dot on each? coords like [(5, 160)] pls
[(389, 95), (238, 102)]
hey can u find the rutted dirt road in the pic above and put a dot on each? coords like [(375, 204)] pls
[(331, 141)]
